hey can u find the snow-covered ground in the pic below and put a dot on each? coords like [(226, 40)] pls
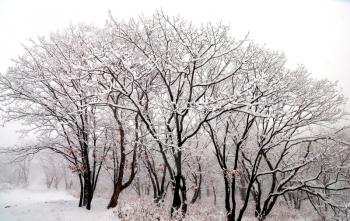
[(40, 204), (36, 205)]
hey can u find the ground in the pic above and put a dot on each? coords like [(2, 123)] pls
[(40, 204), (36, 205)]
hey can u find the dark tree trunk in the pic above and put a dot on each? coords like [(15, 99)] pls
[(227, 195), (177, 199), (196, 195), (184, 196), (198, 183), (119, 186), (88, 191), (180, 197), (115, 196), (230, 216), (81, 198)]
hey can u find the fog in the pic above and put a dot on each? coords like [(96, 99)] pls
[(154, 110), (314, 33)]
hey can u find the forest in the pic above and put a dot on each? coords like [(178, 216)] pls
[(185, 117)]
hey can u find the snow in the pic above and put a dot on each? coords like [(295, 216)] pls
[(36, 205)]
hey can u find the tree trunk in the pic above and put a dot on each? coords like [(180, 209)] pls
[(180, 197), (227, 196), (88, 191), (118, 185), (197, 190), (147, 190), (138, 187), (114, 199), (177, 199), (81, 198), (243, 188), (184, 196), (196, 195), (214, 193)]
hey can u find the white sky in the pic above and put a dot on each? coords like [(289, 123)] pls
[(315, 33)]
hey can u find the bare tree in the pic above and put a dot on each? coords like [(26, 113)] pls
[(269, 152), (49, 89), (171, 74), (150, 94)]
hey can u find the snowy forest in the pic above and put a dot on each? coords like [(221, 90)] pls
[(156, 118)]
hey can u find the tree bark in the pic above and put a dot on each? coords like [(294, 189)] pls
[(81, 198), (88, 191), (115, 196)]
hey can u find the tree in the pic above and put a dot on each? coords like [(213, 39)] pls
[(121, 164), (270, 152), (171, 73), (153, 93), (50, 91)]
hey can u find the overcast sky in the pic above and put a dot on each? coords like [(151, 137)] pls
[(315, 33)]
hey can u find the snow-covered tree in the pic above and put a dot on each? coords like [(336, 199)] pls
[(158, 95), (264, 156), (49, 89)]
